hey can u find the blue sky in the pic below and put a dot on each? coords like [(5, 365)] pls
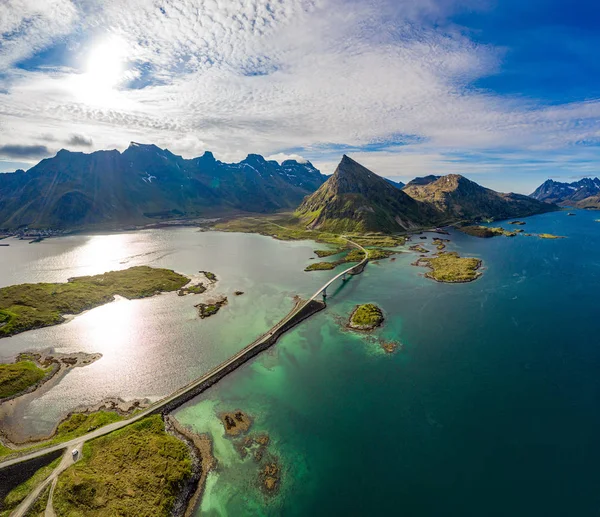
[(506, 92)]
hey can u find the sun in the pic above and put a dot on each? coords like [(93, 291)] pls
[(104, 72), (105, 63)]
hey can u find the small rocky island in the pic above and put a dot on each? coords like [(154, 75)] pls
[(206, 310), (235, 422), (485, 232), (366, 317), (450, 267)]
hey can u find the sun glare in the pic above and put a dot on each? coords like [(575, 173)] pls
[(105, 63), (104, 72)]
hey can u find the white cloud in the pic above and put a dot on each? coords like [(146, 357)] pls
[(282, 157), (240, 76)]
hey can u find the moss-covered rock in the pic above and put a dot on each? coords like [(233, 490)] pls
[(366, 317)]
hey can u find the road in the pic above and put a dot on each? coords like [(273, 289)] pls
[(66, 461), (77, 443)]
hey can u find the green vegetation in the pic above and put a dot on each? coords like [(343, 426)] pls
[(38, 508), (281, 226), (366, 317), (418, 248), (379, 240), (328, 253), (19, 493), (549, 236), (17, 377), (73, 426), (28, 306), (355, 255), (321, 266), (485, 232), (192, 289), (211, 276), (79, 424), (208, 309), (378, 254), (440, 243), (450, 267), (136, 471)]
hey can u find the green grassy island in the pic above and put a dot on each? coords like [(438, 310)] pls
[(378, 253), (328, 253), (321, 266), (19, 376), (366, 317), (29, 306), (137, 470), (549, 236), (450, 267), (205, 310), (484, 232)]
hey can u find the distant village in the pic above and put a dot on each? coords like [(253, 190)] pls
[(31, 234)]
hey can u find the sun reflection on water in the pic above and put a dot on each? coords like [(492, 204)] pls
[(110, 328), (103, 252)]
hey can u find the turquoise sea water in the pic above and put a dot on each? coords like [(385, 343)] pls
[(490, 408)]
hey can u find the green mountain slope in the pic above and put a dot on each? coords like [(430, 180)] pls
[(354, 199)]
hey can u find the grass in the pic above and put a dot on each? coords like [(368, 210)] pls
[(136, 471), (74, 426), (38, 509), (378, 254), (19, 493), (354, 255), (367, 315), (192, 289), (28, 306), (281, 226), (485, 232), (328, 253), (549, 236), (17, 377), (380, 241), (321, 266), (450, 267), (79, 424)]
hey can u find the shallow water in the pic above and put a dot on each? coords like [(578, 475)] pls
[(490, 408), (153, 346)]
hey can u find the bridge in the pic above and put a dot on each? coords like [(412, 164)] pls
[(301, 311)]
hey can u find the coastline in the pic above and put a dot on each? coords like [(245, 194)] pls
[(200, 447), (123, 408)]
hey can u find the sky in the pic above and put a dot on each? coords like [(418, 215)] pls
[(505, 92)]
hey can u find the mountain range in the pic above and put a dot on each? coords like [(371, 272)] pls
[(356, 199), (146, 183), (584, 193)]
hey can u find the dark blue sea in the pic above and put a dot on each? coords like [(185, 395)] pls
[(490, 408)]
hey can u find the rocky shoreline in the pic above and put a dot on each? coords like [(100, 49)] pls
[(59, 363), (203, 461)]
